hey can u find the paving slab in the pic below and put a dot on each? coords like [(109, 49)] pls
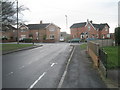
[(81, 73)]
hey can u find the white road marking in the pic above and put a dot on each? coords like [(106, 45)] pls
[(70, 50), (64, 74), (30, 63), (53, 64), (10, 73), (21, 67), (36, 81)]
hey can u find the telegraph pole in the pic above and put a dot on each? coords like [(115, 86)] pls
[(66, 22), (17, 25)]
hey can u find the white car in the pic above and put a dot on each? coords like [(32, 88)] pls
[(62, 39)]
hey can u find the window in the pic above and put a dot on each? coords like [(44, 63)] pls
[(88, 27), (97, 29), (22, 37), (97, 35), (103, 36), (36, 33), (52, 28), (51, 36), (106, 28), (22, 30)]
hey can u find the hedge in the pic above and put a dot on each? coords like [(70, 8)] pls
[(27, 40), (117, 36)]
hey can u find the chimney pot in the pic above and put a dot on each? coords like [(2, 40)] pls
[(41, 22), (91, 21)]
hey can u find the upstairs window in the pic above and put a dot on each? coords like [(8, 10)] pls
[(106, 28), (97, 29), (52, 28), (88, 27)]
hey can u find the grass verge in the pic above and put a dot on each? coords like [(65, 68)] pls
[(10, 47), (112, 53), (83, 46)]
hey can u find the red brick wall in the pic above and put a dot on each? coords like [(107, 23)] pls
[(26, 33), (75, 32), (8, 33), (56, 33), (92, 31), (104, 32)]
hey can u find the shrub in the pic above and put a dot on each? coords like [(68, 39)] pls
[(4, 38), (27, 40), (117, 36)]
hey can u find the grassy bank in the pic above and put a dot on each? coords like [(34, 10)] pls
[(9, 47), (83, 46), (112, 52)]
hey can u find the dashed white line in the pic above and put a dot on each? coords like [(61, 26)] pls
[(10, 73), (21, 67), (64, 74), (36, 81), (30, 63), (53, 64)]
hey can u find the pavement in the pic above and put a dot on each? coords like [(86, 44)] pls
[(81, 73)]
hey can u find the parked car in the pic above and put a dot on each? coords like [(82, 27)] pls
[(74, 40), (62, 39), (90, 39)]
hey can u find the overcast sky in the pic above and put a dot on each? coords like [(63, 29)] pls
[(54, 11)]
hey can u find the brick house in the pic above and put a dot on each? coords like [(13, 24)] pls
[(23, 32), (44, 31), (9, 33), (89, 30)]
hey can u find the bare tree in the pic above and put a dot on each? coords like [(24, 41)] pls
[(9, 11)]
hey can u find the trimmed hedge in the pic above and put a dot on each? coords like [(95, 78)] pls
[(4, 38), (27, 40), (117, 36)]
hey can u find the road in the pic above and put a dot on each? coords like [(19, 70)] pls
[(35, 68)]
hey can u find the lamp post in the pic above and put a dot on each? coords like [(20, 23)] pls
[(17, 25)]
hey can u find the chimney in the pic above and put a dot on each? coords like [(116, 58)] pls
[(41, 22), (91, 21)]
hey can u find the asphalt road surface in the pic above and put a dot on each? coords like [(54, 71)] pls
[(41, 67)]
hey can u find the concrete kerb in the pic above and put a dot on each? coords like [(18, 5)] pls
[(35, 46), (66, 68)]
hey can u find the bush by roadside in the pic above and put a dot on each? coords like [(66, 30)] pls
[(83, 46)]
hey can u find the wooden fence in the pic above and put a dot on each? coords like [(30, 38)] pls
[(94, 46)]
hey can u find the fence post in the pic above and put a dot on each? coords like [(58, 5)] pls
[(97, 44), (106, 63)]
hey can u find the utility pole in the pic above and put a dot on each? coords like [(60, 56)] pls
[(17, 25), (119, 14), (66, 22)]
